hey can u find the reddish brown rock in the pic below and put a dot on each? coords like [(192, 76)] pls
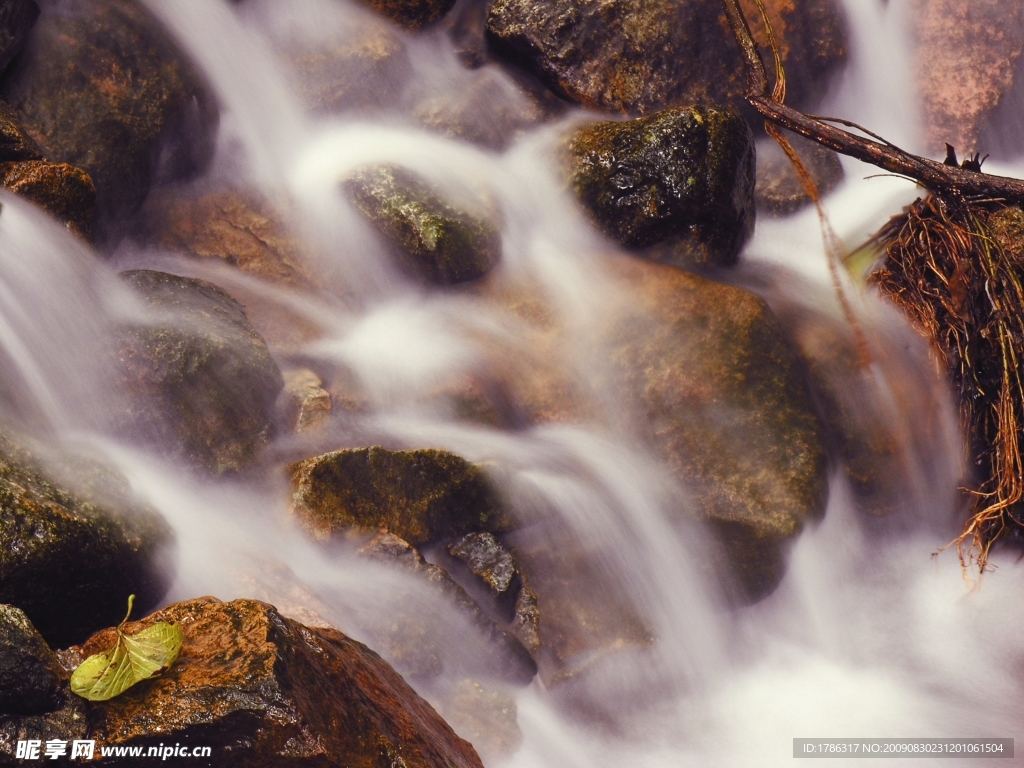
[(966, 60), (64, 191), (264, 691)]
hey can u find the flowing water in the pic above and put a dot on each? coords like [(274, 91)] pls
[(868, 635)]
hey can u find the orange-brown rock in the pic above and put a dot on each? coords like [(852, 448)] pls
[(266, 692), (966, 60), (639, 56), (64, 191)]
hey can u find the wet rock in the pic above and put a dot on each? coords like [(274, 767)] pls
[(16, 19), (420, 496), (65, 192), (966, 55), (265, 691), (487, 559), (307, 405), (436, 241), (409, 641), (199, 379), (102, 87), (66, 722), (366, 68), (412, 14), (236, 226), (779, 191), (684, 175), (489, 110), (725, 405), (30, 674), (15, 144), (526, 619), (639, 56), (71, 554)]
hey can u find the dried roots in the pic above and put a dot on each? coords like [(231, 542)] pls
[(961, 286)]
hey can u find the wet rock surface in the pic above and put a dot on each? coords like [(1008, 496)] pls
[(434, 239), (64, 191), (412, 14), (639, 56), (264, 690), (15, 143), (966, 60), (779, 190), (100, 86), (421, 495), (487, 559), (683, 176), (725, 405), (30, 675), (68, 560), (200, 381), (307, 405)]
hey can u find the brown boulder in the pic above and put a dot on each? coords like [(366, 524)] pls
[(101, 86), (64, 191), (412, 14), (966, 54), (264, 690), (639, 56)]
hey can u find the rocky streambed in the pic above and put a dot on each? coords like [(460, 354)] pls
[(450, 301)]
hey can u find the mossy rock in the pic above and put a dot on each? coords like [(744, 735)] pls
[(639, 56), (199, 380), (102, 87), (434, 240), (421, 496), (69, 558), (682, 176), (65, 192), (412, 14)]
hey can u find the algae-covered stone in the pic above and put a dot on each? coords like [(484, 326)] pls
[(779, 190), (198, 378), (639, 56), (65, 192), (30, 674), (435, 240), (684, 175), (263, 691), (102, 87), (725, 405), (412, 14), (420, 496), (70, 558)]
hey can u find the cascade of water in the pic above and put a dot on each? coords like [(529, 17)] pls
[(864, 637)]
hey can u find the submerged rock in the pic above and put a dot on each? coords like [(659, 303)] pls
[(412, 14), (420, 496), (435, 240), (779, 191), (199, 379), (725, 405), (639, 56), (264, 691), (483, 716), (30, 675), (409, 641), (306, 406), (684, 175), (966, 60), (70, 559), (65, 192), (101, 86), (16, 19)]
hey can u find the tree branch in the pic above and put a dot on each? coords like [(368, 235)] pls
[(936, 176)]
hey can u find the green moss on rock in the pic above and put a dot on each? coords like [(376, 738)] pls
[(435, 240), (420, 496), (683, 175)]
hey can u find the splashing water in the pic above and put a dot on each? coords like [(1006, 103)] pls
[(867, 636)]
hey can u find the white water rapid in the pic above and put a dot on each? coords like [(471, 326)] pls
[(868, 634)]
